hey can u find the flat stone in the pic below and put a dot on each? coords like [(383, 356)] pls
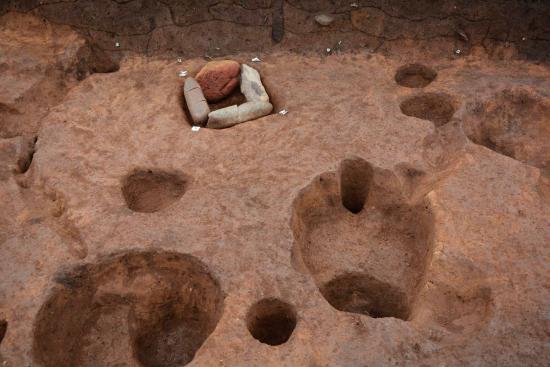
[(218, 79), (224, 117), (253, 110), (196, 103), (324, 19), (251, 85), (232, 115)]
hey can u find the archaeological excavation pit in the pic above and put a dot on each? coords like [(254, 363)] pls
[(515, 123), (360, 183), (271, 321), (360, 293), (355, 177), (149, 191), (152, 309), (415, 76), (365, 246), (438, 108)]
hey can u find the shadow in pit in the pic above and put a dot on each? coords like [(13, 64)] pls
[(154, 308), (366, 246)]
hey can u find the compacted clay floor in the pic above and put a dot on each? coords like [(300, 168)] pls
[(397, 215)]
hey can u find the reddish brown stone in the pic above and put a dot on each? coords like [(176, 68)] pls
[(218, 79)]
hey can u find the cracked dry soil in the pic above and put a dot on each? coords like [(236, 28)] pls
[(397, 215)]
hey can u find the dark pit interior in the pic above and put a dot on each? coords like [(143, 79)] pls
[(150, 190), (153, 308), (370, 255), (415, 76), (438, 108), (271, 321)]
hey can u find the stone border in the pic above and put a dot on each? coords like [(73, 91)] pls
[(257, 102)]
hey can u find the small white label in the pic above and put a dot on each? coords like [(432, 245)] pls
[(256, 59), (328, 50), (179, 60), (182, 73), (117, 44), (195, 128), (458, 52), (354, 5), (283, 112)]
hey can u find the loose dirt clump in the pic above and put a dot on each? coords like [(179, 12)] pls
[(155, 308)]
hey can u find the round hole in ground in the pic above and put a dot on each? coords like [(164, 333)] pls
[(415, 76), (355, 179), (361, 293), (149, 191), (271, 321), (152, 309), (438, 108)]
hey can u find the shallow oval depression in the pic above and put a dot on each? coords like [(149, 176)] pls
[(415, 76), (365, 245), (271, 321), (438, 108), (514, 122), (153, 309), (149, 191)]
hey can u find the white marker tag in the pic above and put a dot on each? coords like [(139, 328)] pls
[(256, 59), (283, 112), (195, 128), (117, 44), (179, 60), (182, 73)]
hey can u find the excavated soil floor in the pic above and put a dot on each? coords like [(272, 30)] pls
[(399, 214)]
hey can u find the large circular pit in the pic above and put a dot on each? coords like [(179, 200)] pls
[(150, 309)]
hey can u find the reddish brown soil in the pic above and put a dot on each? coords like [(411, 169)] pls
[(397, 215)]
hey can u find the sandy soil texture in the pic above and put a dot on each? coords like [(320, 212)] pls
[(399, 214)]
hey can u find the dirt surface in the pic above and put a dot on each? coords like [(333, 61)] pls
[(397, 215), (199, 28)]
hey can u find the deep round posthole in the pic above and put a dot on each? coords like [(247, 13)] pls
[(435, 107), (149, 191), (414, 76), (271, 321), (153, 309), (355, 177)]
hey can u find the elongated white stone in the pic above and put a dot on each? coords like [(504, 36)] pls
[(251, 85), (196, 103), (232, 115)]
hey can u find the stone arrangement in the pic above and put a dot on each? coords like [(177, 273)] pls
[(217, 80)]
